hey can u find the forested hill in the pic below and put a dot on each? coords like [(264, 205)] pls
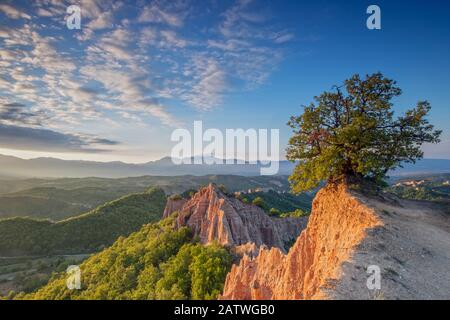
[(85, 233), (156, 262)]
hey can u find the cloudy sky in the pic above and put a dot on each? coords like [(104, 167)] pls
[(137, 70)]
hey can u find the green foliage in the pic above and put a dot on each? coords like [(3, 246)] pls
[(274, 212), (283, 202), (26, 274), (354, 134), (38, 207), (157, 262), (175, 197), (258, 201), (189, 193), (89, 232), (209, 268), (101, 190), (294, 214), (57, 203)]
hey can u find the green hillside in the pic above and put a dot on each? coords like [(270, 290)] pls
[(39, 207), (58, 199), (85, 233), (56, 203), (283, 202), (157, 262), (170, 184)]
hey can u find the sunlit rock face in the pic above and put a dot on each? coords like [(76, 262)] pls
[(173, 206), (337, 224), (215, 217)]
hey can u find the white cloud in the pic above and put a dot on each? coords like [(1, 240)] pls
[(12, 12), (46, 56), (148, 36), (131, 67), (284, 38), (229, 45), (100, 16), (91, 8), (170, 38), (235, 22), (155, 14), (103, 21), (209, 84), (31, 138), (44, 12), (116, 51), (6, 54)]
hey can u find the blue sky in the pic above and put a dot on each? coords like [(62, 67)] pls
[(137, 70)]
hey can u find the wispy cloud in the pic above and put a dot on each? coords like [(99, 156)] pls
[(209, 83), (13, 12), (129, 62), (19, 113), (37, 139), (164, 12)]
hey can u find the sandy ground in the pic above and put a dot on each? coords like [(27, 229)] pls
[(412, 251)]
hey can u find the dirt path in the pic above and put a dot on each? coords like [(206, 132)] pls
[(412, 250)]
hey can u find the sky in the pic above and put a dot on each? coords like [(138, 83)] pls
[(115, 89)]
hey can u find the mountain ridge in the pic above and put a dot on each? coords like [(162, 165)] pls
[(15, 167)]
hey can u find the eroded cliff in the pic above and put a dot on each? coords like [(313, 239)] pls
[(337, 224), (215, 216), (173, 205)]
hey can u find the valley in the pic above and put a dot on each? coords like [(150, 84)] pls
[(86, 233), (28, 273), (37, 248), (38, 252), (429, 187), (57, 199)]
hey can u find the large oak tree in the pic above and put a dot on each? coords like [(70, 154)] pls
[(352, 132)]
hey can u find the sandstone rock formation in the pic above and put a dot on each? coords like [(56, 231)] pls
[(408, 241), (214, 216), (338, 222), (172, 206)]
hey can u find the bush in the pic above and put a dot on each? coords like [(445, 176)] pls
[(258, 201), (175, 197), (274, 212), (295, 214)]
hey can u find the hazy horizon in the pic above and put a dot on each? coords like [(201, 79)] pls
[(116, 89), (144, 162)]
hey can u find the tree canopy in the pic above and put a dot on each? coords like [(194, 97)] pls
[(351, 131), (158, 262)]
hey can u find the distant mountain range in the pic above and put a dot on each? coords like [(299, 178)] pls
[(13, 167)]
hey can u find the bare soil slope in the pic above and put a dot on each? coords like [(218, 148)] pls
[(346, 233), (412, 249)]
